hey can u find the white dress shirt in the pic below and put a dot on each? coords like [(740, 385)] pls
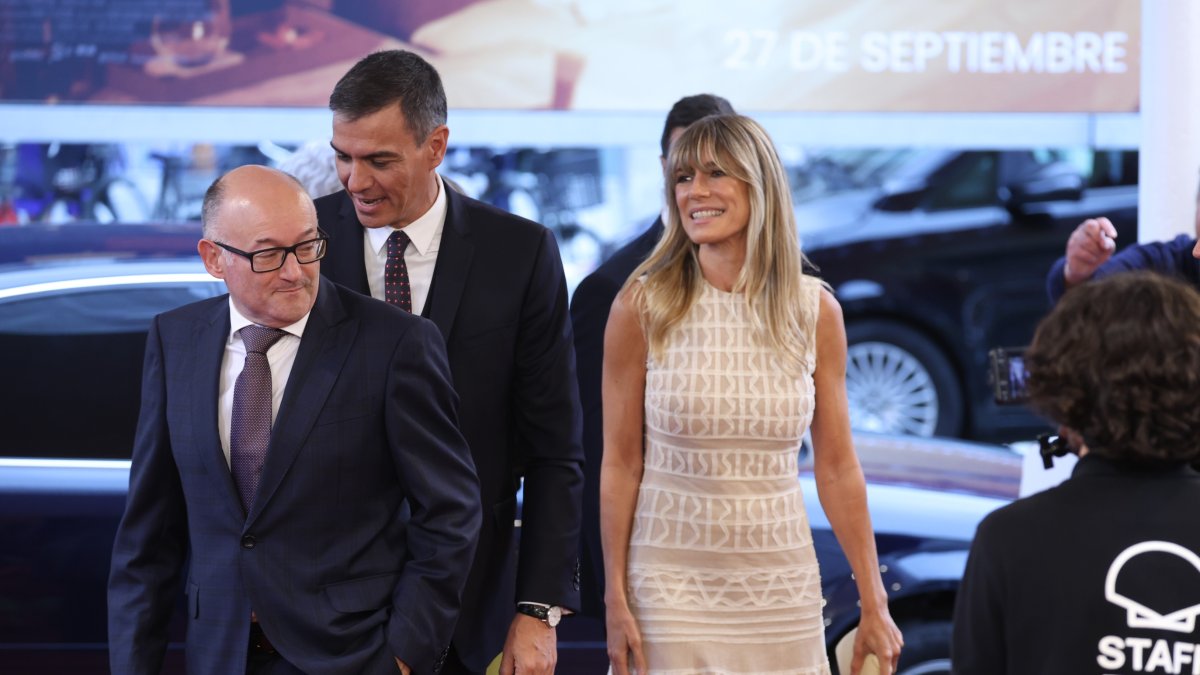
[(280, 356), (420, 257)]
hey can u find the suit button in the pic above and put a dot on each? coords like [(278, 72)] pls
[(249, 541)]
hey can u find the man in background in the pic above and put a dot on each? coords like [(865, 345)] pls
[(493, 284), (589, 314)]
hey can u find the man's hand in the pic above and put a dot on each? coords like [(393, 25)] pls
[(530, 649), (1089, 246), (404, 669)]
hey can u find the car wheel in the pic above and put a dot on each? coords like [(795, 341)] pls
[(898, 381), (926, 648)]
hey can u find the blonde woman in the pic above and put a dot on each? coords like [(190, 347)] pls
[(719, 354)]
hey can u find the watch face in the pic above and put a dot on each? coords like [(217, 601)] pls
[(553, 616)]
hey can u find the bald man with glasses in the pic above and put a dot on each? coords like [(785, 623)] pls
[(298, 469)]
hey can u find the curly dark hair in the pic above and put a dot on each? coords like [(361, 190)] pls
[(1118, 361)]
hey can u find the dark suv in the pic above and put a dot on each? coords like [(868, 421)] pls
[(938, 256)]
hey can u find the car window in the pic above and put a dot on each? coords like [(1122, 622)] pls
[(73, 366), (1113, 167), (967, 182), (916, 167), (108, 310), (1098, 168)]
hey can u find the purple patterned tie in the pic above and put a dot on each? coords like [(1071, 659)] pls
[(250, 423), (395, 273)]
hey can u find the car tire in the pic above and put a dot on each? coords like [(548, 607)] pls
[(899, 381), (926, 648)]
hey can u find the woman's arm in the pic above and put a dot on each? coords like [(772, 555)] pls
[(843, 491), (623, 394)]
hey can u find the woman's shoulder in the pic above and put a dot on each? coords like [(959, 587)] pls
[(631, 298), (816, 291)]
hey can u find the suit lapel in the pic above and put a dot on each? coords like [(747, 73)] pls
[(327, 341), (346, 248), (204, 385), (453, 263)]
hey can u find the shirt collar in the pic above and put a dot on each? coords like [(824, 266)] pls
[(237, 322), (1096, 465), (422, 232)]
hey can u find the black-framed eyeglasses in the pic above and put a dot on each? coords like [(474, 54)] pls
[(271, 259)]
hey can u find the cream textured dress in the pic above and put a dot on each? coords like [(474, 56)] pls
[(722, 572)]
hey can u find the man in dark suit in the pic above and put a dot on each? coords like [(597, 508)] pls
[(298, 442), (589, 315), (493, 283)]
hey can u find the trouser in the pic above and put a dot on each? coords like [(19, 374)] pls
[(262, 659)]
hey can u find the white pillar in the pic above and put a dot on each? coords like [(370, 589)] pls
[(1169, 164)]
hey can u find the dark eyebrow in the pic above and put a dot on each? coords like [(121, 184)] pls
[(310, 233), (382, 154)]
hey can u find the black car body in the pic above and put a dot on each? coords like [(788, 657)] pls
[(926, 496), (938, 257), (72, 337)]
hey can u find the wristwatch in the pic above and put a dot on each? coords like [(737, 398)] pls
[(549, 615)]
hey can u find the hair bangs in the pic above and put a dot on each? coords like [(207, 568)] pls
[(707, 148)]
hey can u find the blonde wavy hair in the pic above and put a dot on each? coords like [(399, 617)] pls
[(771, 281)]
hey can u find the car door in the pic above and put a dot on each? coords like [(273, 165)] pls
[(72, 359)]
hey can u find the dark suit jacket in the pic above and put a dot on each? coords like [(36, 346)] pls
[(589, 313), (500, 301), (340, 580)]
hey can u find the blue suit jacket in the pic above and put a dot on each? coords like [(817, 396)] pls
[(500, 301), (341, 578), (1172, 258)]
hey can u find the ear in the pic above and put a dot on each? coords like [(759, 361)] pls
[(210, 253), (436, 145)]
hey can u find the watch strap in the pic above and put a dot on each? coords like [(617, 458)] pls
[(536, 611), (548, 614)]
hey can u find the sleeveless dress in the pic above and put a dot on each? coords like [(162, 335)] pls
[(722, 573)]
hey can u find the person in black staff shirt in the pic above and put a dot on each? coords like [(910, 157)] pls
[(493, 284), (1100, 574), (589, 315)]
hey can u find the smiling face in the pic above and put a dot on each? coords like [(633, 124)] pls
[(387, 172), (714, 207), (262, 208)]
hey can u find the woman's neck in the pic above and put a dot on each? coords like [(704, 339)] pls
[(721, 265)]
